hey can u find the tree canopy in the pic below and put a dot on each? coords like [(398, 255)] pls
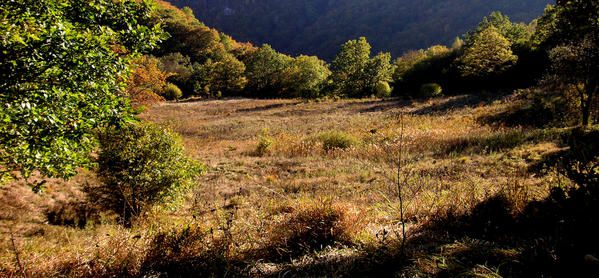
[(63, 68)]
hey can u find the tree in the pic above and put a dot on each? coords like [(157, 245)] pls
[(348, 65), (377, 70), (140, 165), (545, 27), (305, 77), (488, 53), (576, 57), (218, 77), (63, 67), (355, 74), (457, 44), (518, 34), (264, 71), (178, 65), (147, 82)]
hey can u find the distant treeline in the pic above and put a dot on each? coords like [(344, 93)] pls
[(318, 27), (497, 54)]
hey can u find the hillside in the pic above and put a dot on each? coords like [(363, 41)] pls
[(318, 27), (138, 141), (245, 215)]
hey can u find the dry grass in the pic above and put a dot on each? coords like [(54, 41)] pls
[(248, 205)]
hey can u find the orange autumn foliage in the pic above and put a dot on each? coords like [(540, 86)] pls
[(147, 82)]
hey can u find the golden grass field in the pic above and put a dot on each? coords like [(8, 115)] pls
[(248, 206)]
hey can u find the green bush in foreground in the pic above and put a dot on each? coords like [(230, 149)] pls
[(62, 70), (337, 140), (140, 165)]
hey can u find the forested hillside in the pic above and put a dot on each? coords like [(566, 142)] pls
[(318, 27)]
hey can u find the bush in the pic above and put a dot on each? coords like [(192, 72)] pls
[(337, 140), (582, 159), (189, 252), (265, 142), (172, 92), (431, 90), (383, 89), (311, 227), (140, 165)]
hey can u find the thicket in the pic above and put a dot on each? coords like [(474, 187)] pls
[(140, 165)]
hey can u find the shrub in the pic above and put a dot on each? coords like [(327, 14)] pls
[(140, 165), (383, 89), (311, 227), (337, 140), (172, 92), (72, 213), (582, 160), (265, 142), (189, 252), (430, 90)]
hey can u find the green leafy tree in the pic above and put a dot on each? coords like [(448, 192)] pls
[(377, 70), (140, 165), (519, 34), (488, 53), (545, 27), (178, 65), (63, 67), (348, 67), (355, 73), (264, 69), (223, 76), (306, 77)]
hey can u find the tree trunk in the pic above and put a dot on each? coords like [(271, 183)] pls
[(587, 105)]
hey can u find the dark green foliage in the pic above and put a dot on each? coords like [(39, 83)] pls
[(218, 77), (140, 165), (305, 77), (62, 70), (265, 69), (582, 161), (355, 73), (575, 57), (497, 55), (318, 27), (205, 61)]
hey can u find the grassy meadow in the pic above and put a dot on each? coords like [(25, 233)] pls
[(304, 188)]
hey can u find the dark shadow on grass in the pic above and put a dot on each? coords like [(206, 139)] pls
[(265, 107), (500, 141), (452, 103), (525, 115)]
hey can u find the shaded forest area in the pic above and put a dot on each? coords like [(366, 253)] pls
[(318, 27)]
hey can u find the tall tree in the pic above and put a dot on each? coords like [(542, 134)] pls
[(355, 74), (63, 66), (488, 53), (576, 56), (264, 71), (305, 77)]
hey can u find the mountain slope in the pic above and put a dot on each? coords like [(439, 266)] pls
[(320, 26)]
